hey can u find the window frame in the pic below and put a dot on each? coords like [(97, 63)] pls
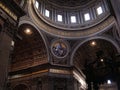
[(37, 4), (99, 12), (87, 16), (61, 18), (47, 13), (73, 19)]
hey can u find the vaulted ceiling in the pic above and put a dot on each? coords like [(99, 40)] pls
[(94, 50), (69, 3), (97, 59)]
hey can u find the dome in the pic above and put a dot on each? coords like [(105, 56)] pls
[(69, 3), (71, 20)]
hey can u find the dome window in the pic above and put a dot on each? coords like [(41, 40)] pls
[(73, 19), (36, 4), (59, 18), (87, 17), (47, 13), (99, 10)]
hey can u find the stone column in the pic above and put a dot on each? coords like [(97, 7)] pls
[(5, 46)]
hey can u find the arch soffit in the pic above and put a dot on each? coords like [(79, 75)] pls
[(42, 35), (106, 38)]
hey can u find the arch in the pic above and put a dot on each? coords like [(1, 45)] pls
[(25, 20), (21, 87), (29, 48), (105, 37)]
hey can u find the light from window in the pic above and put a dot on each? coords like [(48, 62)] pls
[(47, 13), (12, 43), (93, 43), (99, 10), (36, 4), (87, 17), (28, 31), (59, 18), (73, 19), (102, 60), (109, 82)]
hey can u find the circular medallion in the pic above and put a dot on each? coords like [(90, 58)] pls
[(59, 48)]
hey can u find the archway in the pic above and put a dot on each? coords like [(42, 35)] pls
[(89, 51), (97, 59), (29, 48)]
